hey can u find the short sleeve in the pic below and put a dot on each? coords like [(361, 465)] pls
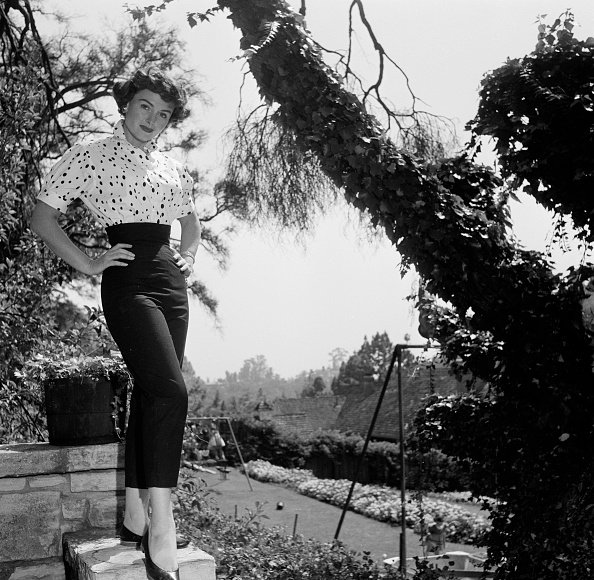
[(187, 183), (68, 179)]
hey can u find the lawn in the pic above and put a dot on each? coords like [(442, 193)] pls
[(315, 519)]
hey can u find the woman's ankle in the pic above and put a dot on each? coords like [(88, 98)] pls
[(163, 548), (162, 528), (136, 523)]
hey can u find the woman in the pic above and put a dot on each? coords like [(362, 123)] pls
[(137, 192)]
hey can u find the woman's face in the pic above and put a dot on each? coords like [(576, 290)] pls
[(147, 115)]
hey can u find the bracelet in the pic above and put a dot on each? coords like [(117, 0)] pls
[(186, 255)]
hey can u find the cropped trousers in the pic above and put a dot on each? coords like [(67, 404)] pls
[(146, 309)]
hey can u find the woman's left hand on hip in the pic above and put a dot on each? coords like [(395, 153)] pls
[(186, 267)]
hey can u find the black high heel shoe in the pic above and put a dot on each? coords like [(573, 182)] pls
[(153, 571), (129, 538)]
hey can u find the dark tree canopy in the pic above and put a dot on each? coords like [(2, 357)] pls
[(540, 111), (368, 365)]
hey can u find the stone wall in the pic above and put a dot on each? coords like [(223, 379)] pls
[(46, 491)]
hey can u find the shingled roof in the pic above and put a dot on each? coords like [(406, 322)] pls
[(361, 401), (306, 415)]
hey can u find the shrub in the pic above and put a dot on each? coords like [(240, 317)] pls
[(262, 440), (334, 455), (245, 549)]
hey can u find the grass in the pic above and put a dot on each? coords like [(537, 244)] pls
[(312, 518)]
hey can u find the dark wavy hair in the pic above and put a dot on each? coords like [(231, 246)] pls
[(158, 82)]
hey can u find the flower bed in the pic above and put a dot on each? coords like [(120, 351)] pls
[(265, 471), (460, 497), (375, 501)]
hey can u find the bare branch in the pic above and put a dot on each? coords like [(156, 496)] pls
[(270, 178)]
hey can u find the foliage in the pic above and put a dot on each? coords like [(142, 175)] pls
[(50, 369), (511, 319), (443, 418), (332, 454), (315, 389), (260, 439), (255, 381), (262, 470), (27, 275), (81, 335), (368, 365), (278, 182), (85, 66), (425, 570), (536, 355), (539, 109), (50, 95), (196, 389), (244, 548)]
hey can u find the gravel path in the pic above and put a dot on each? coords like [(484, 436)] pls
[(315, 519)]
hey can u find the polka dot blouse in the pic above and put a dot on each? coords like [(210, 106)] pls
[(120, 183)]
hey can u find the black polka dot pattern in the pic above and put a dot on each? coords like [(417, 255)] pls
[(120, 183)]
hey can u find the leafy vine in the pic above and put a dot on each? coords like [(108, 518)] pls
[(511, 319)]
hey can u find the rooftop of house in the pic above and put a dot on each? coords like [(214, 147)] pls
[(361, 401), (305, 415)]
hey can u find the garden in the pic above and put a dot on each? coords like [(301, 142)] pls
[(381, 502), (290, 543), (465, 523), (244, 547), (520, 329)]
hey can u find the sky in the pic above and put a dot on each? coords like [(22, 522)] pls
[(294, 302)]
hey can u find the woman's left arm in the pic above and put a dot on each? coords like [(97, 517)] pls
[(191, 230)]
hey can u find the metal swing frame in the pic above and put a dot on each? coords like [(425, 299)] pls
[(396, 357), (195, 420)]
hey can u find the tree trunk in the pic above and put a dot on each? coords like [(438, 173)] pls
[(526, 334)]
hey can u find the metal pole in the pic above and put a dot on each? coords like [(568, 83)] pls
[(366, 444), (402, 467), (228, 419), (239, 453), (396, 356)]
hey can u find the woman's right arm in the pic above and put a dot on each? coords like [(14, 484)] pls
[(44, 222)]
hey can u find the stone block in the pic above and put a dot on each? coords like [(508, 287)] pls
[(74, 508), (73, 526), (12, 484), (104, 480), (89, 457), (92, 555), (106, 512), (47, 481), (50, 569), (20, 459), (30, 525)]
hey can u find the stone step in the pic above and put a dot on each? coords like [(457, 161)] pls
[(95, 555), (46, 569)]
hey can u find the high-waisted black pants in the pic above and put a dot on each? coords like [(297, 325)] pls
[(146, 309)]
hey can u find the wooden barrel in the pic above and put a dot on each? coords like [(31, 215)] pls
[(80, 411)]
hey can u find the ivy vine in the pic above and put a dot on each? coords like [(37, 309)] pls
[(539, 109), (513, 320)]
